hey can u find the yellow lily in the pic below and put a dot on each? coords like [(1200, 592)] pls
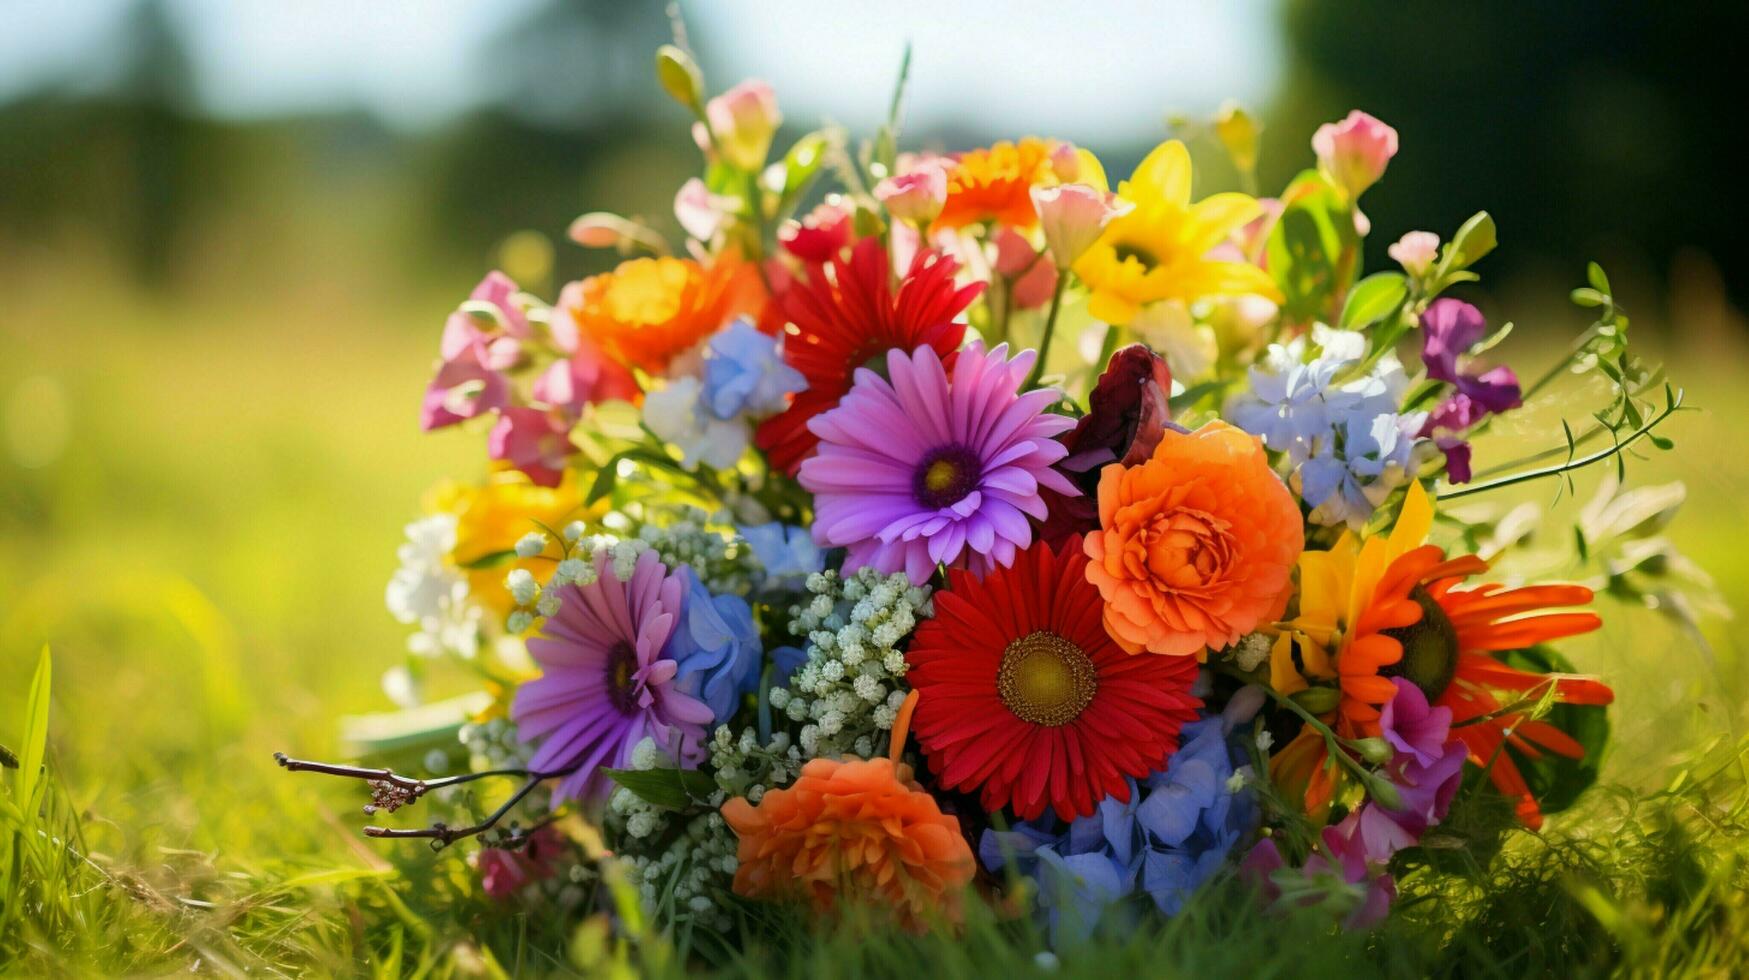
[(1159, 250)]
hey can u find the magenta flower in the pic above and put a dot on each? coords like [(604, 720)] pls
[(1353, 153), (1449, 329), (535, 441), (922, 469), (1414, 727), (480, 341), (504, 872), (607, 679)]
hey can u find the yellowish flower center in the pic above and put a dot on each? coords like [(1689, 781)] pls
[(647, 290), (1046, 680)]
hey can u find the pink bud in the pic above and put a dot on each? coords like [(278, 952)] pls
[(701, 213), (1066, 163), (597, 229), (1073, 216), (1353, 152), (1415, 251), (916, 196), (744, 119)]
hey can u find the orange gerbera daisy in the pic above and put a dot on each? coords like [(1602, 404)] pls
[(1196, 546), (995, 184), (858, 829), (1391, 607), (647, 311)]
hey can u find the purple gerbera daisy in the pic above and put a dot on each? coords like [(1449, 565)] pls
[(607, 678), (915, 468)]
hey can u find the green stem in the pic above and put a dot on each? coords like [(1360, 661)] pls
[(1044, 344), (1333, 742), (1621, 446)]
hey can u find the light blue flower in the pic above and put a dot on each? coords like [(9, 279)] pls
[(786, 552), (1292, 402), (717, 647), (745, 375), (1353, 473), (1174, 832)]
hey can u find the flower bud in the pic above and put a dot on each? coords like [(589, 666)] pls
[(1415, 252), (1384, 794), (1317, 700), (744, 119), (1353, 152), (1066, 163), (1374, 750), (1073, 216), (679, 76), (916, 196), (1238, 131)]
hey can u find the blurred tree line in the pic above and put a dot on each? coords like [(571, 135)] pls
[(1587, 129)]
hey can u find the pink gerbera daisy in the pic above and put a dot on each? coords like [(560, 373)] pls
[(921, 468), (607, 679)]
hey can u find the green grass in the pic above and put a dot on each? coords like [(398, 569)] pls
[(205, 550)]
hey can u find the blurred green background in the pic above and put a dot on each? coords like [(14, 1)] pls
[(229, 234)]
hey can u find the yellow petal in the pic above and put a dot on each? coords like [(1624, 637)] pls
[(1223, 279), (1213, 219), (1413, 522), (1282, 675), (1092, 171), (1163, 174)]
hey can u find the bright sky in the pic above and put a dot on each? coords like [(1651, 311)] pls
[(1080, 70)]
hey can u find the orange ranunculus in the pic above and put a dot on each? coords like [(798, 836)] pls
[(647, 311), (995, 184), (858, 829), (1196, 545)]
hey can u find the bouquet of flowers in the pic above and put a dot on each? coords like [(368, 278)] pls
[(932, 528)]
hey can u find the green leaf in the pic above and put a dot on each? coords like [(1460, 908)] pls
[(488, 560), (802, 162), (1372, 299), (1555, 780), (1599, 281), (679, 76), (605, 479), (1588, 297), (1305, 249), (672, 789), (36, 735), (1475, 239)]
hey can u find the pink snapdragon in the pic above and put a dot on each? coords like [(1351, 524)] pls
[(533, 440), (1073, 216), (1353, 153), (1415, 252), (744, 119), (480, 341), (916, 195)]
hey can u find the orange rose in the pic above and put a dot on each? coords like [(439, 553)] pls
[(1196, 545), (647, 311), (858, 829)]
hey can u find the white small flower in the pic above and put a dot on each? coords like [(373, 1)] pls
[(1264, 740), (549, 603), (522, 586), (531, 544), (641, 824), (1251, 651), (519, 621), (1236, 781), (437, 761), (569, 570), (574, 531)]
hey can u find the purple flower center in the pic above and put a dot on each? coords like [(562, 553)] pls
[(1430, 648), (622, 670), (946, 475)]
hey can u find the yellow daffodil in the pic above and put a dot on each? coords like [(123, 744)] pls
[(490, 519), (1160, 250)]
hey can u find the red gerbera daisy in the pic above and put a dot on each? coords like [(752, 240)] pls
[(845, 315), (1022, 692)]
